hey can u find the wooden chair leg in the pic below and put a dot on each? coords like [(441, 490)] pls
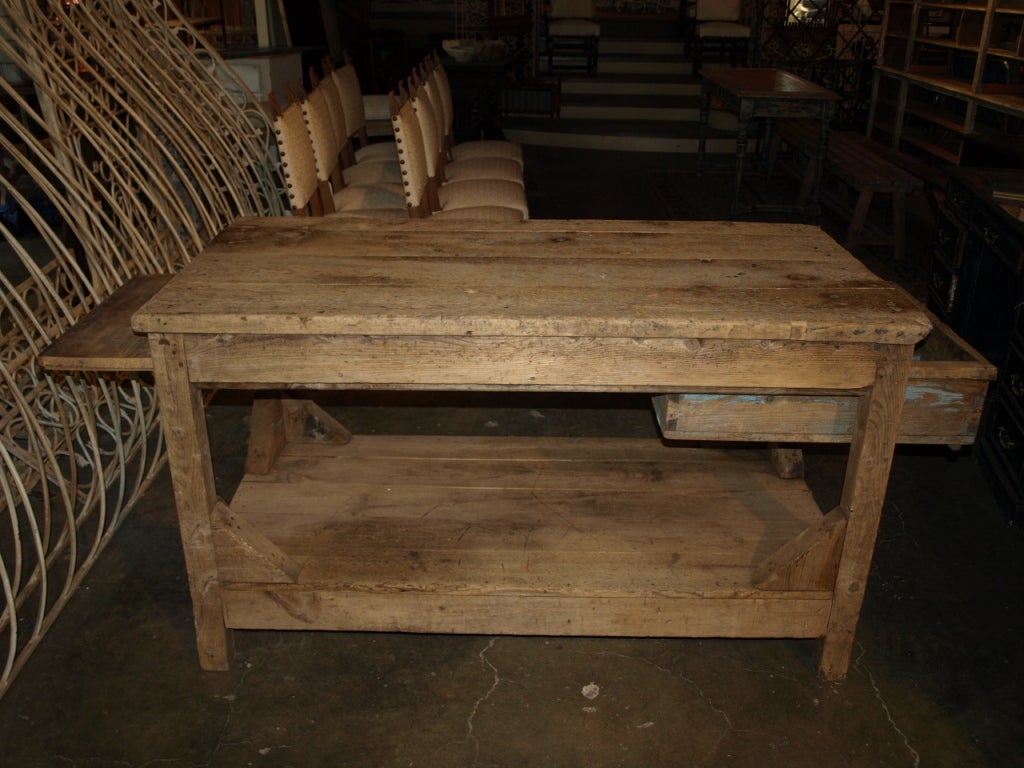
[(774, 145), (806, 183), (860, 214), (899, 224)]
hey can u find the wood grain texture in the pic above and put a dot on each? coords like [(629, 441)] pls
[(103, 340), (807, 562), (556, 362), (693, 280), (188, 452), (577, 537), (597, 531), (943, 403), (867, 475), (270, 607)]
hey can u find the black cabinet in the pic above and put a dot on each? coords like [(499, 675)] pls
[(977, 287)]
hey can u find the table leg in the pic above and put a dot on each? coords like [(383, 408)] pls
[(745, 112), (705, 111), (899, 224), (867, 475), (814, 207), (188, 453)]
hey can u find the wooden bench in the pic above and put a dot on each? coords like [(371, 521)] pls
[(853, 162), (935, 179), (103, 340)]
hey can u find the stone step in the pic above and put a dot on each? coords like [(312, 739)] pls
[(610, 85), (644, 98), (623, 56), (615, 46), (618, 135), (634, 65), (631, 106)]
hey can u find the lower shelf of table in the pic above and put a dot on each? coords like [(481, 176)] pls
[(515, 536)]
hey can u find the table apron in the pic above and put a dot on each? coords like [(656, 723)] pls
[(781, 108), (572, 363)]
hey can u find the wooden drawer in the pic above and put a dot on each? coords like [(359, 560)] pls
[(947, 389)]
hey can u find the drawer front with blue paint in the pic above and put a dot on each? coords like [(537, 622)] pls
[(945, 396)]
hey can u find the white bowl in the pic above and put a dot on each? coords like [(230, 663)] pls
[(462, 50)]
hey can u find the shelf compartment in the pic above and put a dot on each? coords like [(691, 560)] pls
[(1006, 36), (931, 145), (1003, 74), (516, 536), (899, 20), (979, 7), (934, 133), (949, 112), (894, 53)]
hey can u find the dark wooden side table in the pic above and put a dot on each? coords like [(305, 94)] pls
[(767, 93)]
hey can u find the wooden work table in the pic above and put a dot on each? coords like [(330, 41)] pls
[(539, 536)]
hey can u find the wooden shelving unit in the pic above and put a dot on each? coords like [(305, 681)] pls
[(946, 71)]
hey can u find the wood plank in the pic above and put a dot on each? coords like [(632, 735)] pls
[(278, 565), (326, 609), (943, 404), (616, 309), (867, 476), (584, 266), (474, 516), (934, 412), (648, 236), (267, 436), (765, 282), (580, 364), (188, 453), (807, 562), (102, 339), (280, 419)]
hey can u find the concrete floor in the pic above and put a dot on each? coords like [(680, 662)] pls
[(935, 680)]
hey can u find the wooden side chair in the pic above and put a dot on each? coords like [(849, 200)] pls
[(720, 24), (468, 149), (354, 174), (573, 35), (425, 90), (330, 176), (347, 82), (451, 201), (298, 166)]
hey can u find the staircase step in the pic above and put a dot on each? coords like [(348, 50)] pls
[(653, 85), (641, 28), (614, 46), (630, 56), (643, 98), (618, 135), (634, 65), (633, 106)]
